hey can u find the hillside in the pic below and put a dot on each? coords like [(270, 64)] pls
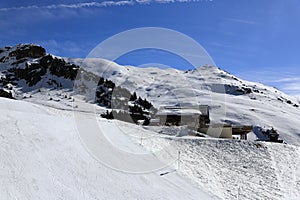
[(27, 71), (43, 156), (53, 140), (230, 169), (231, 99), (39, 161)]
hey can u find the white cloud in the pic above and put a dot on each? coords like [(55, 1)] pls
[(63, 48), (288, 84), (73, 6), (97, 4), (286, 79), (143, 1), (226, 46), (243, 21), (292, 87)]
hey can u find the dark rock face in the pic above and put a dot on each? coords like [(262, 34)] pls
[(28, 51), (46, 69), (34, 72), (125, 105), (5, 94), (230, 89), (60, 68)]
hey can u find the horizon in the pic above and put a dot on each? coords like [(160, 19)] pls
[(256, 41)]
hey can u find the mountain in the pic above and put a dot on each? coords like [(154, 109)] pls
[(26, 69), (44, 153), (42, 156), (231, 99)]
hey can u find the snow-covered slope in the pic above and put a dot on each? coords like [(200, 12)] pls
[(43, 154), (27, 69), (231, 169), (231, 99), (42, 157)]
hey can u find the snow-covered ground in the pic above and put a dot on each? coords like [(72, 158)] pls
[(230, 169), (262, 106), (53, 145), (231, 99), (43, 157)]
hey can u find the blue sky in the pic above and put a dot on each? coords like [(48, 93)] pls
[(257, 40)]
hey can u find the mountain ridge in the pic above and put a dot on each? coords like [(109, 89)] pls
[(232, 100)]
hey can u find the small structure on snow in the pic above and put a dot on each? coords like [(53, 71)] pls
[(192, 116), (196, 117)]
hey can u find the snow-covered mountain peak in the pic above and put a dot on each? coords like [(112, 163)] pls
[(25, 68), (231, 99), (43, 155)]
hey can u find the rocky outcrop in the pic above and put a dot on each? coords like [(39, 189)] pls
[(5, 94), (29, 64), (45, 68), (28, 51)]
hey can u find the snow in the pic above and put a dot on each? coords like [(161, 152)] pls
[(42, 157), (180, 112), (207, 86), (230, 169), (264, 107), (55, 146)]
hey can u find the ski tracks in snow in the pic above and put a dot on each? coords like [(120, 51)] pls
[(286, 163)]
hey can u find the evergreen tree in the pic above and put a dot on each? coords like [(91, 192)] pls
[(133, 97)]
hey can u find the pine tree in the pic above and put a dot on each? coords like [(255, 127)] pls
[(133, 97)]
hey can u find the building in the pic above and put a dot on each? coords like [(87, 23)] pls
[(217, 130), (192, 116), (242, 131), (196, 117)]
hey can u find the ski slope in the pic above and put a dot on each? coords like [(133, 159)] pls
[(48, 150), (230, 169), (42, 157)]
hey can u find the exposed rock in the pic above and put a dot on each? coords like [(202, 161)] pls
[(60, 68), (28, 51), (5, 94), (52, 72), (230, 89)]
